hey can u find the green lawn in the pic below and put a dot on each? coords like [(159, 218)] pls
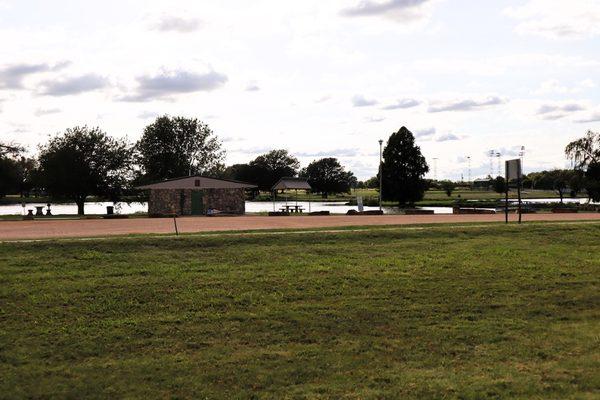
[(440, 312)]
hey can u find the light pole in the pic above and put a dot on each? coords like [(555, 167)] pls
[(469, 161), (380, 172)]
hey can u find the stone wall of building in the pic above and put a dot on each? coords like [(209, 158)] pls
[(232, 201), (169, 201)]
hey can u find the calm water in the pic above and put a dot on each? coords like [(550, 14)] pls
[(251, 207), (71, 208)]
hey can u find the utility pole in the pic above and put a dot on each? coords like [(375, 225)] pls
[(469, 175), (380, 173), (435, 168), (522, 157), (499, 164), (491, 155)]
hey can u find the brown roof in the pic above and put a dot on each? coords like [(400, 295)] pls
[(291, 183), (198, 182)]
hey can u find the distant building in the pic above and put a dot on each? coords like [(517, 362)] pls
[(484, 184), (196, 195), (291, 184)]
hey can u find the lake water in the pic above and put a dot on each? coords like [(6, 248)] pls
[(71, 208), (251, 207)]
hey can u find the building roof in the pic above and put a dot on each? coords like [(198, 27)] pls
[(197, 182), (291, 183)]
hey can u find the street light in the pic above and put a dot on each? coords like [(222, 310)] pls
[(380, 172)]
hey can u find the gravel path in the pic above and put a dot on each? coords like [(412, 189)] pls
[(46, 229)]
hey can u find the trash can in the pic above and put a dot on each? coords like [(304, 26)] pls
[(110, 210)]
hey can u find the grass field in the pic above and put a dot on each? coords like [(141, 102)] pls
[(444, 312)]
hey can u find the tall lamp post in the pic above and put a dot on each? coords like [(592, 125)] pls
[(380, 172)]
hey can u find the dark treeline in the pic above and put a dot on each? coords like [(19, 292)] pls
[(583, 178), (83, 161)]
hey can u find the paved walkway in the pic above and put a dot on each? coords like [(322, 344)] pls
[(45, 229)]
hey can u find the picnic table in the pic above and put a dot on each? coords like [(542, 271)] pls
[(292, 208)]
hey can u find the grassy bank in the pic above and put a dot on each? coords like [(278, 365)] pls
[(494, 312)]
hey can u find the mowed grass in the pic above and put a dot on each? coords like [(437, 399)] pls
[(439, 312)]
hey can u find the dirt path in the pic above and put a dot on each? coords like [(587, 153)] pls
[(45, 229)]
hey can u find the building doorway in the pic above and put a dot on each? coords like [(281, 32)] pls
[(197, 202)]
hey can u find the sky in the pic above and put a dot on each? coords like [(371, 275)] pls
[(318, 78)]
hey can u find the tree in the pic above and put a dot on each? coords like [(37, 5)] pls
[(592, 181), (9, 176), (327, 176), (576, 182), (560, 181), (268, 168), (178, 146), (403, 169), (14, 170), (84, 162), (499, 184), (372, 183), (585, 151), (10, 149), (448, 187)]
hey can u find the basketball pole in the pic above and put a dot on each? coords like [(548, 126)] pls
[(519, 179), (506, 194)]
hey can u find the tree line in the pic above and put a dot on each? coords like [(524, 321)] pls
[(84, 161)]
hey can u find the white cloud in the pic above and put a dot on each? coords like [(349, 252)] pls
[(252, 87), (169, 83), (424, 133), (361, 101), (73, 85), (375, 119), (147, 115), (466, 104), (554, 111), (557, 18), (553, 86), (401, 11), (171, 23), (402, 103), (448, 137), (593, 117), (12, 76), (323, 99), (352, 152), (40, 112)]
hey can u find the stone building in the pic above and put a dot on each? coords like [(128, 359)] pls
[(196, 195)]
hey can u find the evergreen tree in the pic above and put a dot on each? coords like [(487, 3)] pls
[(403, 169)]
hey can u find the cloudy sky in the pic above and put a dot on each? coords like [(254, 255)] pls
[(320, 78)]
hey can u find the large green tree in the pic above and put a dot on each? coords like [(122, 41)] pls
[(266, 169), (15, 170), (327, 176), (403, 169), (9, 176), (172, 147), (585, 152), (10, 149), (592, 182), (84, 162)]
